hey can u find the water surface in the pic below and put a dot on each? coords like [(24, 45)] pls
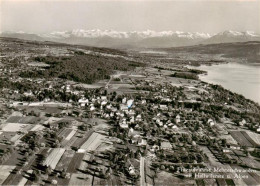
[(240, 78)]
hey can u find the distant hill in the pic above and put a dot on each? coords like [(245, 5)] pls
[(24, 36), (232, 37), (250, 51)]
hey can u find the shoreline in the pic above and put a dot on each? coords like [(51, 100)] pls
[(203, 77)]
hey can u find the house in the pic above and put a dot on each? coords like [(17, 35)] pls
[(131, 113), (154, 148), (123, 107), (178, 119), (234, 146), (242, 123), (132, 119), (29, 93), (132, 170), (142, 142), (211, 122), (123, 100), (226, 150), (103, 103), (83, 101), (92, 108), (166, 145), (134, 133), (104, 98), (67, 88), (139, 117), (123, 124), (130, 103), (47, 99), (163, 107)]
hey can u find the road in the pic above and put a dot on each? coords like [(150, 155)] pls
[(142, 172), (111, 77)]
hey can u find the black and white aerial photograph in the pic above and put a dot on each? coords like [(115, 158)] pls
[(130, 92)]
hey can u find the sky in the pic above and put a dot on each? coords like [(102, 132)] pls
[(44, 16)]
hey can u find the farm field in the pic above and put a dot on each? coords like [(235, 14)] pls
[(15, 127), (240, 138), (254, 138), (75, 163), (168, 178), (37, 128), (65, 132), (251, 162), (210, 181), (252, 178), (80, 141), (65, 160), (54, 157), (23, 120), (24, 180), (68, 144), (80, 179), (7, 136), (5, 171), (93, 142), (84, 161), (229, 139)]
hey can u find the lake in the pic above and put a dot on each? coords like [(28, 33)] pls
[(240, 78)]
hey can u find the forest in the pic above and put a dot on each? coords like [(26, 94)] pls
[(80, 67)]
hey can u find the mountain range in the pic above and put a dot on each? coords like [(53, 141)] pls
[(135, 39)]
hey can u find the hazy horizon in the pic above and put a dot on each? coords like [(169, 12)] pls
[(188, 16)]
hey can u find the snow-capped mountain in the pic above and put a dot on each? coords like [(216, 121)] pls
[(148, 39), (111, 38), (124, 35)]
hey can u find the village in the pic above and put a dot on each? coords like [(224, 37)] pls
[(138, 127)]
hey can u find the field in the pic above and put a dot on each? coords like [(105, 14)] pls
[(210, 182), (75, 162), (79, 141), (15, 127), (252, 137), (93, 142), (37, 128), (15, 138), (229, 139), (89, 85), (80, 179), (65, 160), (168, 178), (4, 172), (67, 134), (24, 180), (84, 163), (24, 120), (54, 157), (241, 139), (250, 162), (6, 136), (253, 178)]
